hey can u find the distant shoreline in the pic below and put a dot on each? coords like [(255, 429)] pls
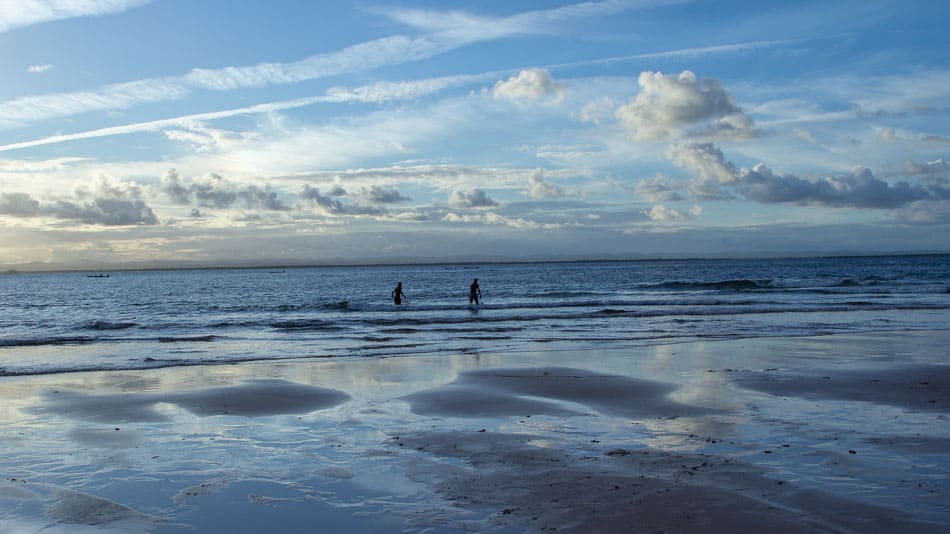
[(427, 263)]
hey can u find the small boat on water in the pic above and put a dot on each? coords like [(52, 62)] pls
[(100, 275)]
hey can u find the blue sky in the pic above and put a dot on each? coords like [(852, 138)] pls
[(139, 132)]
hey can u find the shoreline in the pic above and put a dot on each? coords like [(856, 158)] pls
[(802, 434), (552, 347)]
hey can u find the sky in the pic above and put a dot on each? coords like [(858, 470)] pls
[(177, 132)]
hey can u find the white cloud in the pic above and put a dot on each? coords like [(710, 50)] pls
[(386, 51), (538, 187), (663, 213), (707, 161), (598, 111), (36, 69), (476, 198), (670, 106), (496, 219), (463, 26), (19, 13), (378, 194), (659, 188), (531, 85), (24, 110), (104, 186)]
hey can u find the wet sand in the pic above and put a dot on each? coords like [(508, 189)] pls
[(812, 434)]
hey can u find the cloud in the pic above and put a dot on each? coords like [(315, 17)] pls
[(935, 175), (329, 206), (36, 69), (662, 213), (101, 211), (539, 188), (18, 204), (19, 13), (386, 91), (704, 158), (860, 188), (937, 167), (382, 195), (255, 197), (467, 27), (531, 85), (337, 191), (452, 33), (103, 186), (476, 198), (496, 219), (719, 179), (926, 212), (173, 186), (213, 191), (105, 211), (598, 111), (659, 188), (670, 106)]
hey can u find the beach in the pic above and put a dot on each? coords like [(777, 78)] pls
[(819, 433)]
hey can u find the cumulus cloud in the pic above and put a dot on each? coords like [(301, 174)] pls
[(337, 190), (329, 206), (659, 188), (213, 191), (101, 211), (378, 194), (538, 187), (719, 179), (705, 159), (860, 188), (256, 197), (105, 211), (476, 198), (173, 186), (530, 85), (672, 105), (102, 186), (18, 204)]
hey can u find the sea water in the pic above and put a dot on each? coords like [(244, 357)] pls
[(62, 322)]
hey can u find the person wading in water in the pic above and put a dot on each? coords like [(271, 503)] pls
[(398, 295), (474, 292)]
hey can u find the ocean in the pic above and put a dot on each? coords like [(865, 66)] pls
[(65, 322)]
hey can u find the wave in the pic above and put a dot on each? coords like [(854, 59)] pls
[(741, 284), (108, 325), (207, 338), (307, 324), (39, 342)]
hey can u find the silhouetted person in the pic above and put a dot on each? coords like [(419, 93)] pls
[(474, 292), (398, 295)]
